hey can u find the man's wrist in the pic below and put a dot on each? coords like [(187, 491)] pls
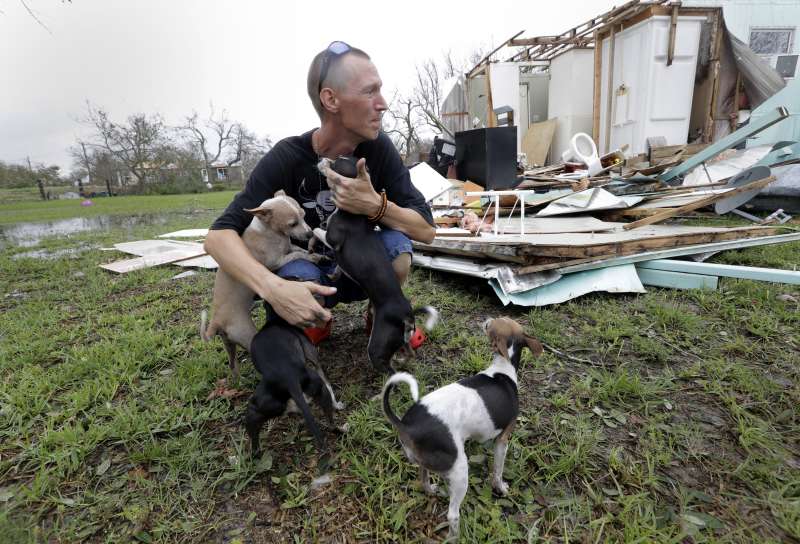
[(377, 204), (271, 283)]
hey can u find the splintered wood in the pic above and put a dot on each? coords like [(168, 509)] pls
[(541, 251)]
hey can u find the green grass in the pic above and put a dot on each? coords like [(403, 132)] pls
[(52, 210), (683, 427)]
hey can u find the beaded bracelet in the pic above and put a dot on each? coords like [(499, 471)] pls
[(384, 204)]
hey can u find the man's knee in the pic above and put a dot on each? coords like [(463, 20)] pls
[(398, 249), (402, 267), (300, 269)]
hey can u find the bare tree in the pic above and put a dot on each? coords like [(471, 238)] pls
[(420, 112), (217, 139), (401, 123), (138, 143), (247, 149), (211, 137)]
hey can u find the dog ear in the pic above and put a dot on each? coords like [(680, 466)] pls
[(499, 344), (279, 192), (534, 345), (262, 211)]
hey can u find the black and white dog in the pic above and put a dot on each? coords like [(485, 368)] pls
[(480, 407)]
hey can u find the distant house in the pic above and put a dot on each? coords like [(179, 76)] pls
[(222, 173)]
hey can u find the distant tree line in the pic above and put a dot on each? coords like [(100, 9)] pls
[(14, 176), (142, 153)]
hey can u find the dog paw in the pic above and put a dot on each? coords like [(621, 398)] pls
[(338, 405), (343, 428), (431, 489), (501, 487)]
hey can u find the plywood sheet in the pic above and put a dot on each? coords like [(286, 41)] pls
[(524, 249), (537, 140), (554, 225), (147, 261), (154, 247)]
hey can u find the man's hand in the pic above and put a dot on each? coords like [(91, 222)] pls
[(354, 195), (294, 301)]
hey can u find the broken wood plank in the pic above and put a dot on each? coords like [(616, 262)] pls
[(673, 26), (668, 151), (474, 250), (666, 214), (648, 244), (128, 265), (601, 262)]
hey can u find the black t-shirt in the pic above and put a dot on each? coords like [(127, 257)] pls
[(292, 166)]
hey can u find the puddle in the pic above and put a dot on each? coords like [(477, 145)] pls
[(49, 253), (30, 234)]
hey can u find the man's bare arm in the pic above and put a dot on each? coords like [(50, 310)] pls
[(293, 301)]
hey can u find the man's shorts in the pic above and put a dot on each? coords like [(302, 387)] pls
[(394, 242)]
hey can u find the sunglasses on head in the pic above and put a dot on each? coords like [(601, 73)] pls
[(335, 50)]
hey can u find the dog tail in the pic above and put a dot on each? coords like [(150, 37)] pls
[(205, 332), (431, 312), (299, 399), (391, 383)]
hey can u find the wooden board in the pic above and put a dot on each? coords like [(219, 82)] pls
[(670, 212), (526, 249), (137, 263), (537, 140), (553, 225)]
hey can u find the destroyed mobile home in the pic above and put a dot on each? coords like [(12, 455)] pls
[(564, 166), (633, 138)]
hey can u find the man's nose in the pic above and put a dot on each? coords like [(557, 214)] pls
[(380, 103)]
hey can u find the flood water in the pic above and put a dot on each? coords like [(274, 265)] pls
[(29, 234)]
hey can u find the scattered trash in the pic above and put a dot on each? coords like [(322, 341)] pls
[(320, 481), (186, 274), (223, 391), (87, 203)]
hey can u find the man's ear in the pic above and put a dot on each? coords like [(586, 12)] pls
[(534, 345), (328, 100), (499, 344)]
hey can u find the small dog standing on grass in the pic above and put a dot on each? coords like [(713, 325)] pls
[(281, 354), (269, 238), (480, 407)]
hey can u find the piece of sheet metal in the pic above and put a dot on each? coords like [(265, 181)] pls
[(732, 139), (616, 279), (743, 178)]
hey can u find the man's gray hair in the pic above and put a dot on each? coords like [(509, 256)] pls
[(335, 78)]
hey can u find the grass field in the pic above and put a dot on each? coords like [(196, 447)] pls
[(670, 417)]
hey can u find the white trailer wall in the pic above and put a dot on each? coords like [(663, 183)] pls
[(649, 98)]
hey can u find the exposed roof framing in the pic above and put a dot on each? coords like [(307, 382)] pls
[(583, 35)]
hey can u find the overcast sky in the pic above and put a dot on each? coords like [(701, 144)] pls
[(248, 57)]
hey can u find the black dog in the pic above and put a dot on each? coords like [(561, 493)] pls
[(361, 255), (280, 353)]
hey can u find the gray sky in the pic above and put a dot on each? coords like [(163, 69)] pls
[(248, 57)]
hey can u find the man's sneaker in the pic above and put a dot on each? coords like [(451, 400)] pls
[(318, 334), (417, 339)]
